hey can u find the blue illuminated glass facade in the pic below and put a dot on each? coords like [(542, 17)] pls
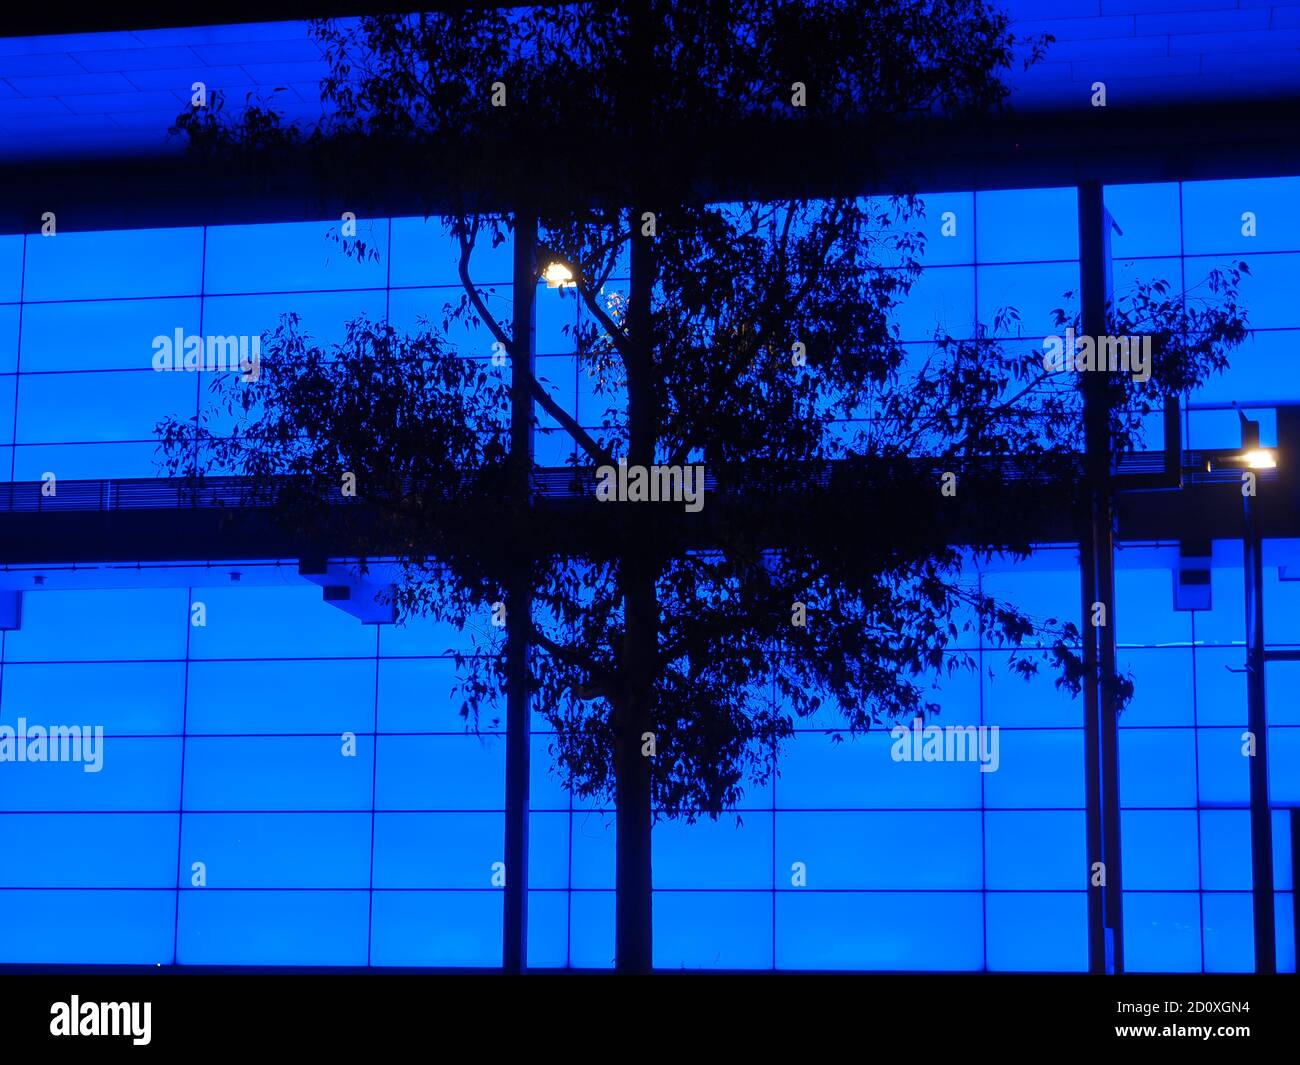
[(228, 744)]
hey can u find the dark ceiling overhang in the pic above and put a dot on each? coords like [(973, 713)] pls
[(1045, 149)]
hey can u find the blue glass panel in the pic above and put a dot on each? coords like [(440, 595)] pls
[(1045, 586), (1162, 932), (88, 927), (298, 850), (424, 636), (598, 397), (422, 310), (1162, 676), (10, 314), (559, 376), (1284, 916), (1159, 849), (1033, 292), (1127, 273), (1011, 700), (712, 930), (1212, 429), (1220, 692), (1038, 768), (8, 400), (546, 790), (100, 625), (1149, 218), (592, 850), (88, 850), (11, 267), (277, 773), (438, 850), (1026, 225), (714, 854), (1282, 625), (1281, 850), (1284, 765), (260, 697), (879, 850), (323, 316), (1252, 374), (443, 928), (133, 774), (305, 258), (104, 335), (1213, 210), (557, 318), (123, 697), (1225, 850), (472, 777), (1157, 767), (941, 301), (591, 924), (548, 929), (548, 850), (246, 622), (1224, 770), (1034, 849), (1144, 604), (418, 696), (1225, 622), (425, 254), (1229, 933), (1030, 932), (860, 774), (553, 447), (957, 247), (89, 407), (879, 930), (1267, 292), (138, 262), (86, 462), (272, 927)]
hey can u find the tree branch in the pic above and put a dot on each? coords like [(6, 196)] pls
[(539, 394)]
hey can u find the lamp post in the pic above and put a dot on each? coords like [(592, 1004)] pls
[(1250, 458), (1253, 457)]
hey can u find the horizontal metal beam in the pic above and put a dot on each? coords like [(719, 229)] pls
[(1048, 149), (162, 532)]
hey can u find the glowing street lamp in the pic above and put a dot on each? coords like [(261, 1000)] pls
[(558, 275), (1260, 458)]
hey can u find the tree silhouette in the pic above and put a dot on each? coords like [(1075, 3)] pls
[(753, 337)]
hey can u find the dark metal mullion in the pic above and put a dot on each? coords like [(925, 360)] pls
[(514, 954), (1096, 563)]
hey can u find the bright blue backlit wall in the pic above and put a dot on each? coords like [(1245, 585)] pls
[(225, 741)]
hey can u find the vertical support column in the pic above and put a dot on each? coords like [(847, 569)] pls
[(514, 953), (639, 570), (1295, 882), (1261, 827), (1096, 565)]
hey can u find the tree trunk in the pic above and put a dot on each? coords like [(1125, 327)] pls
[(634, 935)]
